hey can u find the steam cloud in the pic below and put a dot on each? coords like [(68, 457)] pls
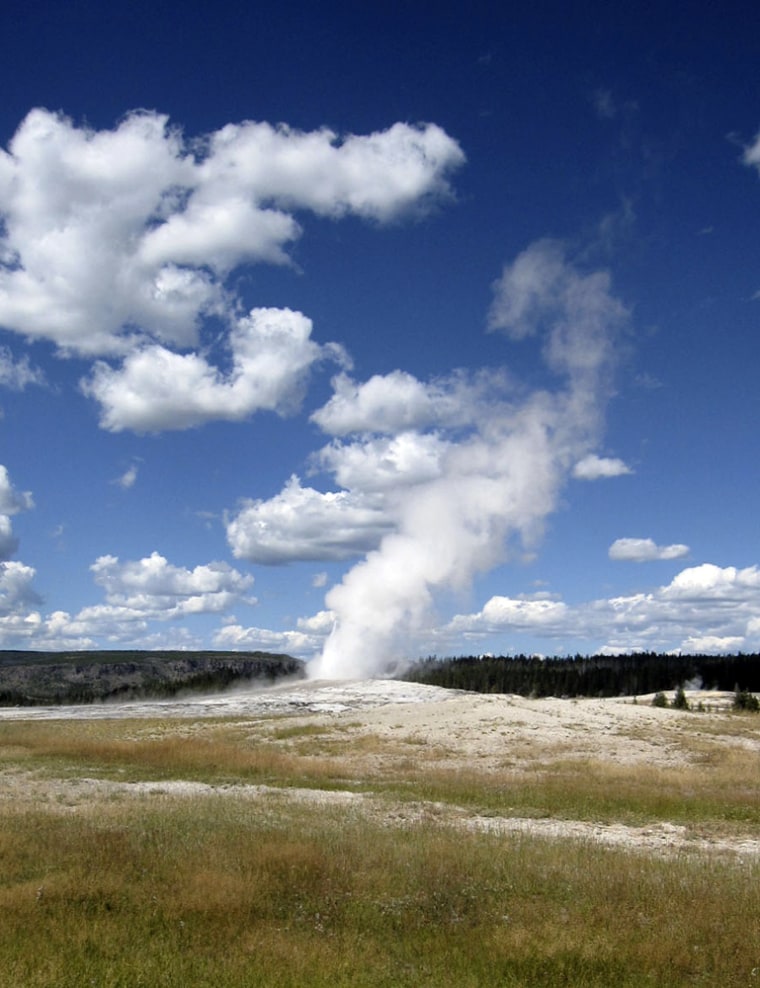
[(498, 478)]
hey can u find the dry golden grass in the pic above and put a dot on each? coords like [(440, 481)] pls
[(116, 884), (214, 892)]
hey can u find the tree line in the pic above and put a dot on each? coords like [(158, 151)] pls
[(595, 675), (31, 678)]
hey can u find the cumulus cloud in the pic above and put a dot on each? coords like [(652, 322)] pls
[(11, 500), (75, 206), (138, 593), (385, 463), (237, 637), (701, 603), (400, 433), (305, 641), (113, 234), (11, 503), (8, 542), (118, 244), (302, 523), (497, 457), (17, 595), (374, 469), (705, 608), (398, 402), (715, 582), (152, 587), (377, 176), (157, 389), (593, 467), (645, 550), (15, 585), (18, 598), (530, 613)]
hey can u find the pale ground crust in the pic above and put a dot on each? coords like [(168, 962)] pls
[(467, 729)]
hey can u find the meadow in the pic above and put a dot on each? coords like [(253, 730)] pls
[(439, 843)]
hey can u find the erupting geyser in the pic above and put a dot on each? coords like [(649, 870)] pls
[(499, 470)]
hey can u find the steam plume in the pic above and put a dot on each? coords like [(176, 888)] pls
[(496, 485)]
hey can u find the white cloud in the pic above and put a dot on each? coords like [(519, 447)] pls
[(16, 592), (374, 470), (301, 523), (542, 291), (11, 503), (20, 621), (377, 176), (18, 374), (712, 644), (20, 630), (399, 402), (221, 230), (17, 595), (385, 463), (128, 479), (305, 641), (138, 593), (76, 204), (534, 613), (645, 550), (593, 467), (120, 236), (157, 389), (377, 473), (318, 624), (705, 608), (751, 155), (385, 403), (715, 583), (152, 588), (118, 244), (8, 542), (116, 627), (11, 500)]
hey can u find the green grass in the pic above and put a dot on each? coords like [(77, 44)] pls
[(215, 892), (223, 890), (589, 790)]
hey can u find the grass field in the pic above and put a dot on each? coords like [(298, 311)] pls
[(316, 852)]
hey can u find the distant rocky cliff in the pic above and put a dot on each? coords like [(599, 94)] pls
[(40, 678)]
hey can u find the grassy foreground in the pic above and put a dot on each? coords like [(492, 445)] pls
[(228, 890)]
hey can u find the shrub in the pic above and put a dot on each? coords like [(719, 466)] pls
[(744, 700), (679, 699)]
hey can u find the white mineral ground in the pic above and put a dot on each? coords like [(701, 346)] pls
[(489, 733)]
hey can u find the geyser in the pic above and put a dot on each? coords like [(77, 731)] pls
[(498, 478)]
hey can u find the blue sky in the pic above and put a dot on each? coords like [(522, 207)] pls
[(366, 331)]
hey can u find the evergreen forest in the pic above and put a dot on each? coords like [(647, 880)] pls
[(596, 675)]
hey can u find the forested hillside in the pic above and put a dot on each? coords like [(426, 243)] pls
[(29, 678), (596, 675)]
